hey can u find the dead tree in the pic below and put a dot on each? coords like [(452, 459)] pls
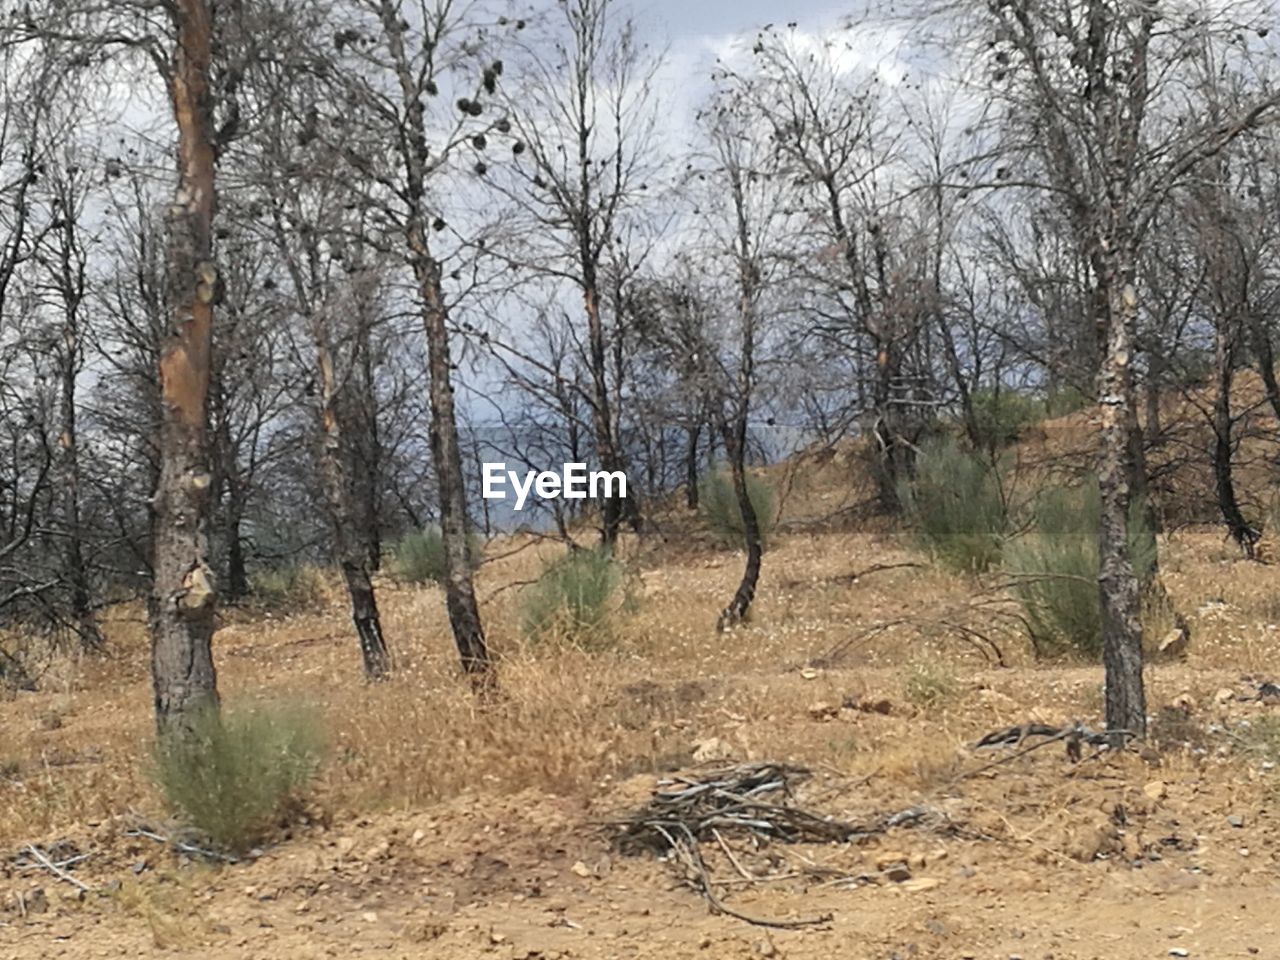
[(65, 262), (584, 117), (1078, 87)]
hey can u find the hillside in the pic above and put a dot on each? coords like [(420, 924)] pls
[(442, 829)]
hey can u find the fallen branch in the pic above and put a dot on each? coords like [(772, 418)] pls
[(182, 846), (690, 854), (849, 578), (57, 869)]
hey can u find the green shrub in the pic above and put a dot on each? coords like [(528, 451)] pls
[(955, 506), (419, 556), (294, 585), (236, 776), (1065, 400), (1000, 416), (929, 685), (718, 504), (573, 600), (1055, 566)]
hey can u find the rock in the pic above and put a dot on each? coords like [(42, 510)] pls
[(1236, 820), (1156, 790), (345, 845), (921, 884), (581, 869), (1183, 702), (765, 948), (897, 872), (35, 900), (1173, 646), (1223, 695), (1179, 952), (418, 837), (713, 748), (808, 673), (369, 917)]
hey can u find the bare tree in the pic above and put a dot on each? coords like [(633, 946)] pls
[(1082, 86), (583, 112)]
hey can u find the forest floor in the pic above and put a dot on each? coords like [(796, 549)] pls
[(442, 830)]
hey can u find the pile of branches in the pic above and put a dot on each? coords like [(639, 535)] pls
[(749, 799), (753, 801)]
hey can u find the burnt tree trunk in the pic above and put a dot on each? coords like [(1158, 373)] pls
[(691, 467), (446, 455), (184, 595), (738, 609), (611, 509), (446, 452), (1223, 448), (350, 548), (237, 573), (1117, 584), (70, 278)]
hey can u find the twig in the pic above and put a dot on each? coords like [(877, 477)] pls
[(850, 577), (732, 859), (55, 869), (688, 852), (182, 846)]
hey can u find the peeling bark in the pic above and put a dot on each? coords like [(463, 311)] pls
[(184, 593)]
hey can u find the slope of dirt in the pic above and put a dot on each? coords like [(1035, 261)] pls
[(441, 830)]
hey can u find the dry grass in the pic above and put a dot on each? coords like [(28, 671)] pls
[(571, 721)]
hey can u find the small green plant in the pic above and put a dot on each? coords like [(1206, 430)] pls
[(291, 586), (1055, 566), (234, 776), (1261, 738), (574, 599), (929, 685), (955, 506), (718, 504), (419, 556), (1001, 415), (1066, 400)]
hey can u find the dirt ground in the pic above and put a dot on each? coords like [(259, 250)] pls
[(442, 831)]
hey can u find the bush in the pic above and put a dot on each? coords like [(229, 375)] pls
[(718, 504), (955, 506), (237, 775), (419, 556), (1000, 416), (573, 599), (295, 585), (929, 685), (1066, 400), (1056, 566)]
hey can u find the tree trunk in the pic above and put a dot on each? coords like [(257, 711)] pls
[(75, 571), (446, 454), (1117, 585), (237, 575), (691, 467), (1266, 360), (611, 509), (740, 606), (1224, 357), (184, 593), (351, 552)]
